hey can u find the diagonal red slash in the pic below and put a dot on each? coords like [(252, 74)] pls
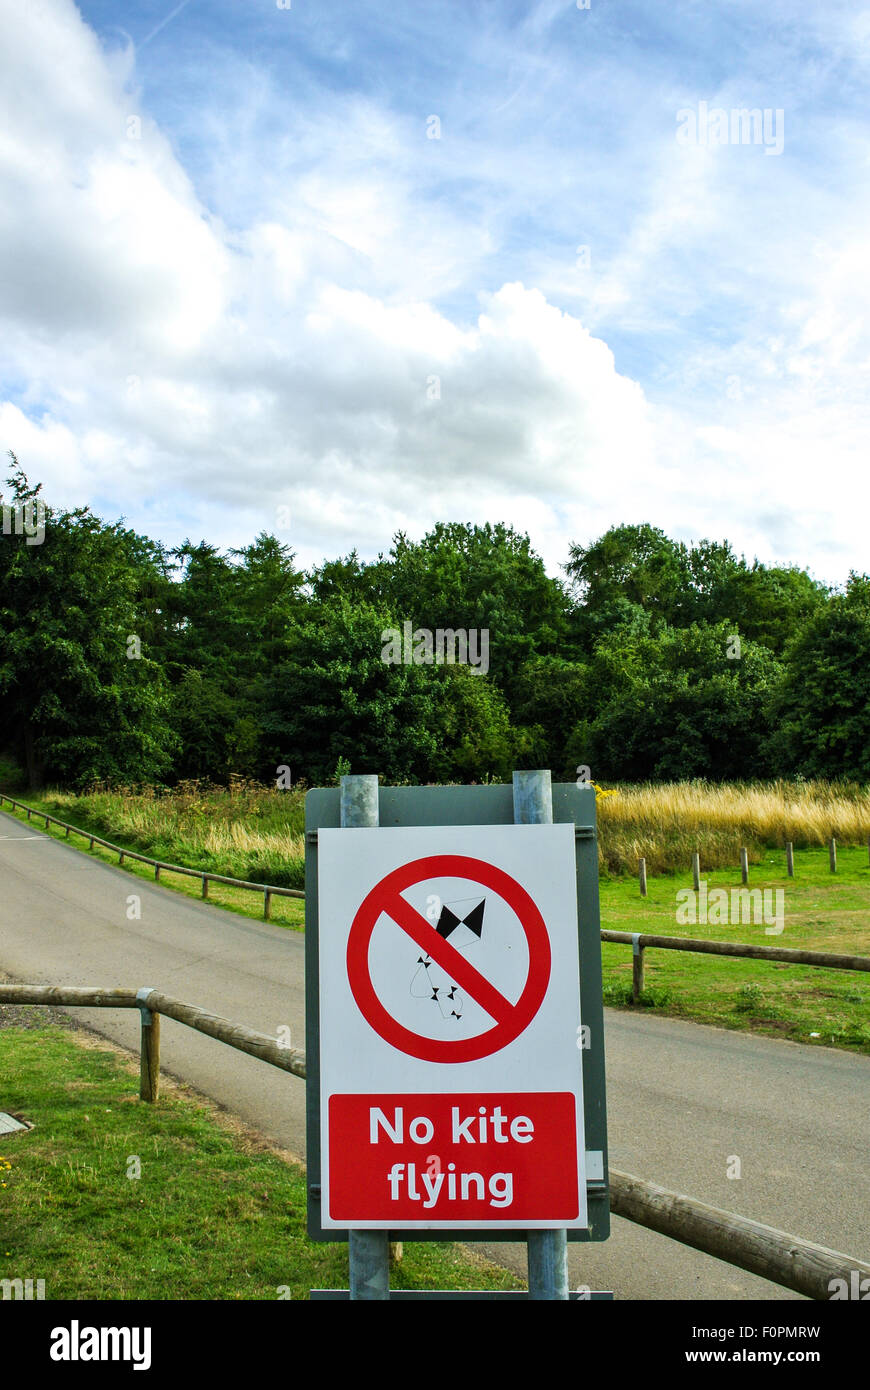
[(447, 956)]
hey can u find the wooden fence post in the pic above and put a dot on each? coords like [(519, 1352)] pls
[(789, 859), (636, 967), (784, 1259), (643, 878), (744, 866), (832, 855), (149, 1053), (696, 872)]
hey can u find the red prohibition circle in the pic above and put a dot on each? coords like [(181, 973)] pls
[(386, 897)]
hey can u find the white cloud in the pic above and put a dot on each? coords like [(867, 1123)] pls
[(104, 231), (312, 345)]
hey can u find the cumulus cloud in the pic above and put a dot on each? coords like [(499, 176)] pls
[(323, 321), (164, 357)]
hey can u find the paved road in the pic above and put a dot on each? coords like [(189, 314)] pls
[(682, 1098)]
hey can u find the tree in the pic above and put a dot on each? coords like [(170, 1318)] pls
[(474, 741), (80, 694), (550, 696), (336, 698), (352, 579), (634, 569), (629, 568), (674, 705), (821, 710), (484, 578), (268, 599), (767, 604)]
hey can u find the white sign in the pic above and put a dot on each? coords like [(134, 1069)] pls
[(451, 1078)]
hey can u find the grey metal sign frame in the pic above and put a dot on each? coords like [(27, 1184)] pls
[(461, 805)]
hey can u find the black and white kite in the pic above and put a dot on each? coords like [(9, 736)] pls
[(460, 923)]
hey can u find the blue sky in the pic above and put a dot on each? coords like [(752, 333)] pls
[(246, 283)]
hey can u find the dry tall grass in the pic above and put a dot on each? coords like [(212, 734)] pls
[(668, 822), (245, 831), (256, 832)]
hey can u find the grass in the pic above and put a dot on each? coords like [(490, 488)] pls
[(194, 828), (214, 1214), (245, 830), (256, 832), (667, 823), (822, 912)]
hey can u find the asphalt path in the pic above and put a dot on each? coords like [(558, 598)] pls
[(684, 1100)]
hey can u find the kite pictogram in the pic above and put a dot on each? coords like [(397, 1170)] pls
[(463, 931)]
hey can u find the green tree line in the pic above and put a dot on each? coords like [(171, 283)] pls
[(125, 661)]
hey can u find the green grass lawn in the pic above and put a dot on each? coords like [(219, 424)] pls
[(822, 912), (214, 1214)]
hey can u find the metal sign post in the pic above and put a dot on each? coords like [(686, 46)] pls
[(548, 1250), (368, 1251)]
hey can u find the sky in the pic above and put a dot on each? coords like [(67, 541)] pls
[(335, 271)]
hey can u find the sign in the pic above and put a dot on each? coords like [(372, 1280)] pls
[(449, 997)]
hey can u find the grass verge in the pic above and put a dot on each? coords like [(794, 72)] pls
[(285, 912), (216, 1213), (666, 822), (822, 912)]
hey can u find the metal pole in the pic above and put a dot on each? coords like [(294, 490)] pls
[(548, 1250), (368, 1251)]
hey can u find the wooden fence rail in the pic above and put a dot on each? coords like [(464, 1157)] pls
[(642, 941), (786, 1260), (152, 1002), (267, 889), (783, 1259)]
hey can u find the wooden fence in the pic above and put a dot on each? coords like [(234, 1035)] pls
[(783, 1259), (268, 890), (641, 941)]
